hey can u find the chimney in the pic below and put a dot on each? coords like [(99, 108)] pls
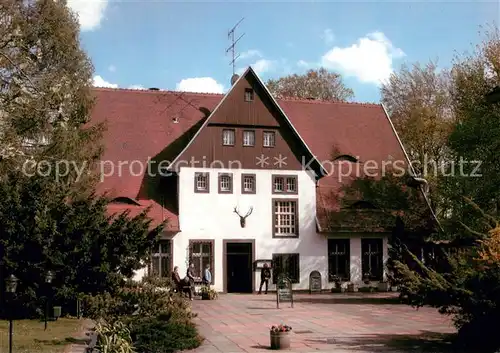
[(234, 78)]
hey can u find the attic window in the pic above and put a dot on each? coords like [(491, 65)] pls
[(248, 95), (346, 157), (363, 205), (125, 200)]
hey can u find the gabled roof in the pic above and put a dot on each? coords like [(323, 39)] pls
[(145, 124), (314, 164)]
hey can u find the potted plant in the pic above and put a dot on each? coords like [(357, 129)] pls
[(208, 293), (338, 284), (366, 278), (280, 337), (350, 287)]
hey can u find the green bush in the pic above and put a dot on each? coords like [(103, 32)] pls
[(154, 335), (149, 298), (114, 337)]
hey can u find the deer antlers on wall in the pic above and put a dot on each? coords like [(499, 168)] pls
[(243, 218)]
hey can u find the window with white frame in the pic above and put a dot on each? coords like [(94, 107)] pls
[(284, 184), (161, 259), (228, 137), (248, 184), (248, 138), (201, 255), (285, 218), (201, 182), (248, 95), (225, 183), (269, 138)]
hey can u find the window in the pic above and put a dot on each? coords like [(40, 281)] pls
[(269, 139), (371, 258), (161, 259), (339, 261), (225, 183), (286, 265), (201, 182), (228, 137), (248, 138), (284, 184), (248, 95), (201, 254), (248, 184), (285, 220)]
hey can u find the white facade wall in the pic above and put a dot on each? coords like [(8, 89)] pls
[(210, 216)]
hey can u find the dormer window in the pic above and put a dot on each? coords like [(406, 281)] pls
[(228, 137), (248, 95), (248, 138)]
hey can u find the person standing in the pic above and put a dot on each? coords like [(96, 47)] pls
[(190, 277), (207, 276), (265, 275)]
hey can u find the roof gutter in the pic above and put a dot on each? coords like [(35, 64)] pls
[(421, 181)]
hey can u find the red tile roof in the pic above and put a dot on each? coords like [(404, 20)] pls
[(141, 124)]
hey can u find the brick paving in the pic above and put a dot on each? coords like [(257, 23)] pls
[(321, 322)]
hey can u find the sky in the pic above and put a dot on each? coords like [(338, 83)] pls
[(176, 45)]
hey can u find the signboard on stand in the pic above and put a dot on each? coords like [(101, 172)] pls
[(284, 291)]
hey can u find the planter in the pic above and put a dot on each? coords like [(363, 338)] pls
[(366, 289), (394, 288), (280, 340), (350, 287), (337, 290), (383, 286), (205, 296)]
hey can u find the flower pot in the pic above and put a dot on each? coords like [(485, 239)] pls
[(337, 290), (280, 340), (350, 287), (205, 296)]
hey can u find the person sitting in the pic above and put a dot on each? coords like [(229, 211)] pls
[(177, 280)]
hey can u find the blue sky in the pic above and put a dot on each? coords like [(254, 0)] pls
[(181, 45)]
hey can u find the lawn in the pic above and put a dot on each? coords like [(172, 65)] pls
[(30, 337)]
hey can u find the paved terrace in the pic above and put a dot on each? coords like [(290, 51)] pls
[(321, 322)]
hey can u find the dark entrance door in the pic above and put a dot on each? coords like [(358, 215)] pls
[(239, 267)]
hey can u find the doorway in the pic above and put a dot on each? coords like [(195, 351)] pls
[(238, 266)]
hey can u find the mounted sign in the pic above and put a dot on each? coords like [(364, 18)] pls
[(284, 291), (259, 264), (315, 282)]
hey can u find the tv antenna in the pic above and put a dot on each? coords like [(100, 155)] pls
[(232, 47)]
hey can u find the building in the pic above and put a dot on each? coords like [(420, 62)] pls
[(245, 179)]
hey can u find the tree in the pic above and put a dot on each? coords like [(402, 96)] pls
[(469, 290), (88, 250), (418, 99), (50, 216), (318, 84), (45, 87)]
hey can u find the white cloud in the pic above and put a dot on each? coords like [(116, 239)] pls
[(98, 81), (137, 87), (200, 84), (328, 36), (370, 60), (90, 12), (250, 54), (261, 66), (303, 63), (112, 68)]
